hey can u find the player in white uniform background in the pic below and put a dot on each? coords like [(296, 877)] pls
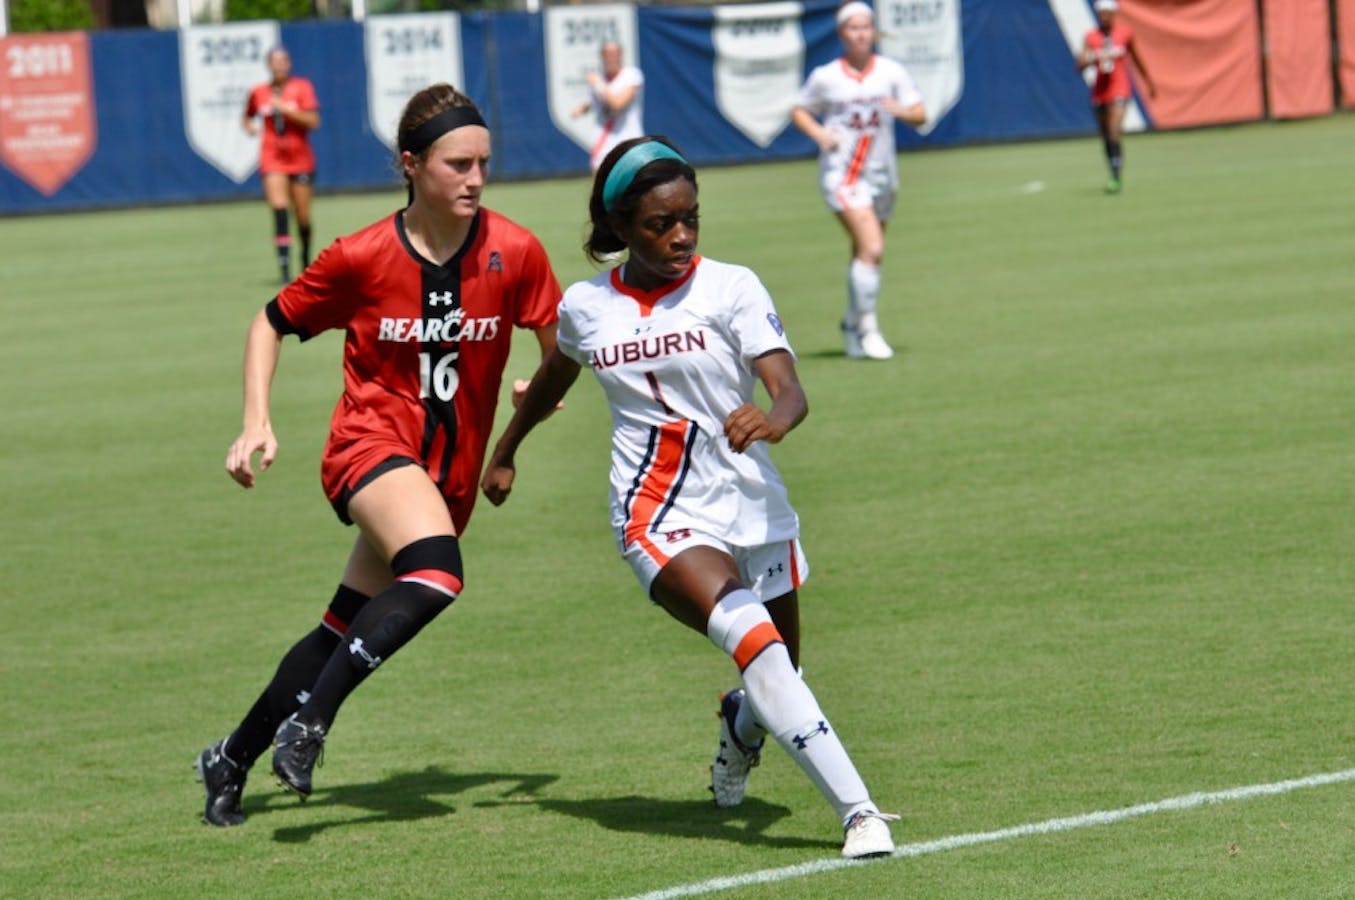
[(848, 107), (616, 101), (678, 343)]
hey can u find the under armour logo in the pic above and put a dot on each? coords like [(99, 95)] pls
[(681, 534), (441, 298), (495, 262), (302, 696), (801, 740), (775, 570), (356, 649)]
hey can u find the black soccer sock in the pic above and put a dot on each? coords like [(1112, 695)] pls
[(282, 241), (1115, 155), (292, 682), (305, 232), (283, 696), (427, 580)]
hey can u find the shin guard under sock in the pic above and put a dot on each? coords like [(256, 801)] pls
[(782, 703), (295, 676), (282, 241), (863, 291), (427, 580)]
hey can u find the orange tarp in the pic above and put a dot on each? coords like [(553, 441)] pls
[(1204, 57), (1345, 39), (1298, 58)]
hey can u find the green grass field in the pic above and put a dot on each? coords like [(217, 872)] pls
[(1086, 543)]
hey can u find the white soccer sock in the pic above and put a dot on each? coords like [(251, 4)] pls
[(780, 700), (863, 292), (746, 726)]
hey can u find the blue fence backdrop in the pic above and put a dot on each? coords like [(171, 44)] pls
[(1017, 73)]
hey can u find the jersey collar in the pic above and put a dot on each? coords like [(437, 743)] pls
[(853, 74), (647, 300), (456, 258)]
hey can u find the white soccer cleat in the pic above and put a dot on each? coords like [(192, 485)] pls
[(734, 760), (873, 346), (867, 834)]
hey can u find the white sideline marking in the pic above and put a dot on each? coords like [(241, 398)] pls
[(1049, 826)]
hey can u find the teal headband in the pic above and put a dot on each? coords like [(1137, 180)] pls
[(630, 164)]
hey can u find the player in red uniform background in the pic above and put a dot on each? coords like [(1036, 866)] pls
[(1108, 47), (289, 111), (428, 298)]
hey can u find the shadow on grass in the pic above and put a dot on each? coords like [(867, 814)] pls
[(837, 353), (408, 796), (701, 819), (401, 798)]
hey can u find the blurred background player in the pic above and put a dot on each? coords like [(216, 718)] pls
[(428, 298), (699, 510), (286, 110), (616, 100), (1109, 47), (848, 107)]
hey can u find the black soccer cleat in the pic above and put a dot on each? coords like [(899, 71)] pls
[(297, 749), (224, 781)]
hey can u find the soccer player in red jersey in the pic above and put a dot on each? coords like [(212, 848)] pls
[(287, 106), (428, 298), (1108, 47)]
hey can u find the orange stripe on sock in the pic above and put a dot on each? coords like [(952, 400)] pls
[(754, 642), (334, 623)]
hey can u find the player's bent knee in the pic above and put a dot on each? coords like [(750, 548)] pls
[(434, 563), (741, 627)]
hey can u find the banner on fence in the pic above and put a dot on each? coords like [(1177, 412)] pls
[(405, 54), (47, 129), (220, 65)]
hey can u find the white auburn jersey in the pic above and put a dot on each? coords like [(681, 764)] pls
[(674, 363), (852, 105), (615, 127)]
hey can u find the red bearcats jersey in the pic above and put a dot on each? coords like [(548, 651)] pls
[(1112, 63), (286, 146), (425, 346)]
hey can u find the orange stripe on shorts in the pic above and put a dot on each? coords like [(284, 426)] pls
[(858, 159), (754, 642), (659, 480)]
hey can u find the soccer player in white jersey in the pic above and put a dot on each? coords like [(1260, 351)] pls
[(700, 513), (616, 101), (848, 107)]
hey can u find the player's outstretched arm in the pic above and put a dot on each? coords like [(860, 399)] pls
[(749, 424), (1142, 69), (542, 397), (546, 338), (914, 114), (804, 120), (1085, 57), (263, 346)]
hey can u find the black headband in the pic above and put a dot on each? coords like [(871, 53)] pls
[(448, 120)]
